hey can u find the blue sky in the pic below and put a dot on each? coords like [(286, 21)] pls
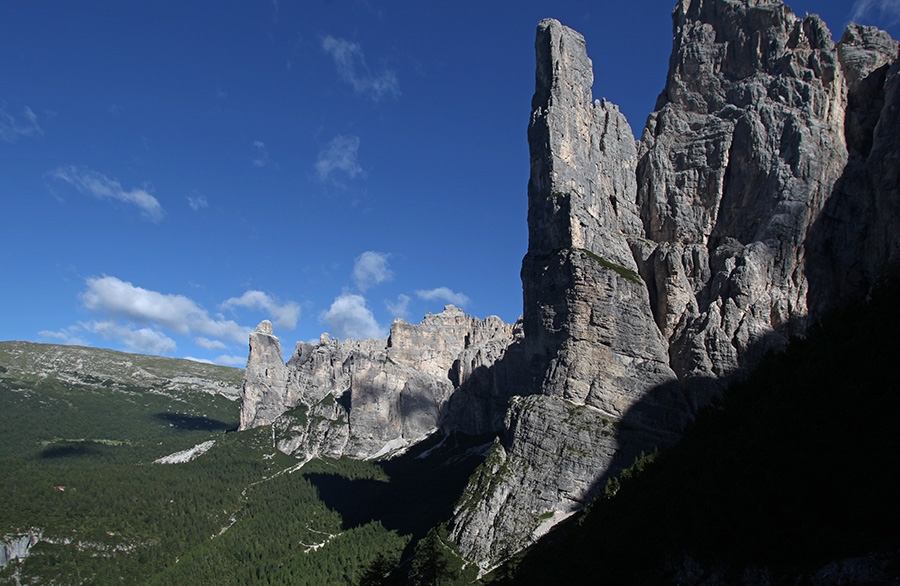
[(173, 172)]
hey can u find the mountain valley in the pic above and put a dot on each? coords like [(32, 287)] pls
[(697, 391)]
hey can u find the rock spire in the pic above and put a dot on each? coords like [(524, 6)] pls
[(763, 192)]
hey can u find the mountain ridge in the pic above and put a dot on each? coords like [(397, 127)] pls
[(762, 196), (762, 193), (93, 366)]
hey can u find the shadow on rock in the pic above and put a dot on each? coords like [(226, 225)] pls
[(423, 487)]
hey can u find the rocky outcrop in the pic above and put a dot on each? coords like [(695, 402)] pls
[(736, 162), (856, 235), (543, 470), (586, 310), (588, 328), (16, 548), (263, 395), (368, 398), (656, 273), (763, 191)]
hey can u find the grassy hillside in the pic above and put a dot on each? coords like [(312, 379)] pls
[(86, 365), (66, 400), (794, 468), (81, 430)]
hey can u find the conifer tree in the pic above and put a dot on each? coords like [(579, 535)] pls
[(378, 572), (431, 564)]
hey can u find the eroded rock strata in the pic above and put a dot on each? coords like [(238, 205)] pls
[(367, 398), (736, 162), (587, 320), (762, 192)]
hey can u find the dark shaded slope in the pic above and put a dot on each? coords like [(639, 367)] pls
[(795, 467), (416, 492)]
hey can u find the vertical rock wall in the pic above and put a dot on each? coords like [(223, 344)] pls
[(367, 398), (589, 331), (586, 310), (764, 190), (858, 232), (738, 159), (264, 392)]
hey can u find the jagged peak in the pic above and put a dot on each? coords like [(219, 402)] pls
[(720, 42), (563, 66), (689, 259), (862, 50)]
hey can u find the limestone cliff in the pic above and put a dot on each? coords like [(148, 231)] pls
[(587, 320), (368, 398), (736, 162), (586, 310), (263, 392), (858, 231), (763, 191)]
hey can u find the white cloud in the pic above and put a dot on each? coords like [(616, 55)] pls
[(103, 187), (231, 360), (349, 317), (400, 308), (283, 315), (351, 67), (177, 313), (66, 336), (12, 127), (262, 155), (444, 294), (209, 344), (371, 268), (143, 340), (866, 11), (223, 360), (197, 202), (341, 154)]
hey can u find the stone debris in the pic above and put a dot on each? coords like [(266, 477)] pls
[(186, 455)]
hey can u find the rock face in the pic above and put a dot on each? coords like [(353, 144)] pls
[(263, 392), (587, 322), (17, 548), (856, 235), (736, 162), (368, 398), (543, 470), (586, 309), (763, 192)]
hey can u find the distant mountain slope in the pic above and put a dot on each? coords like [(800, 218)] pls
[(96, 366), (52, 396), (126, 469)]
